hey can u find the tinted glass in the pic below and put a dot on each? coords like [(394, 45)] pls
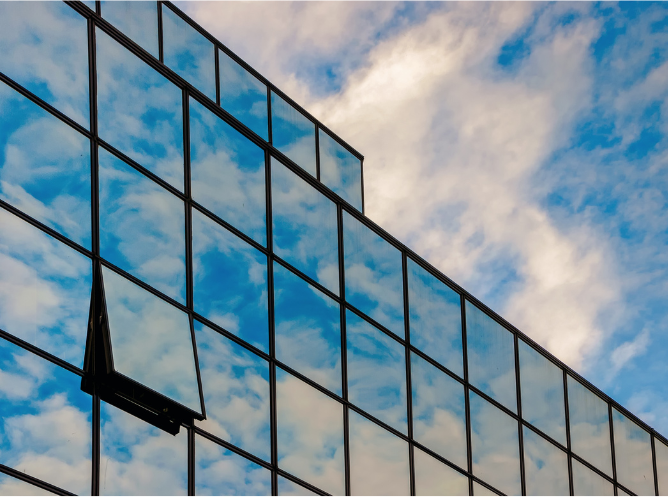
[(235, 383), (491, 357), (479, 489), (308, 329), (661, 451), (304, 227), (14, 486), (137, 20), (432, 477), (230, 282), (340, 170), (373, 275), (633, 455), (545, 466), (228, 173), (293, 134), (587, 482), (288, 487)]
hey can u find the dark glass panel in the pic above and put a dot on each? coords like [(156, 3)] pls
[(545, 466), (633, 455), (478, 489), (14, 486), (587, 482), (432, 477), (661, 451), (288, 487), (293, 134), (340, 170), (137, 20)]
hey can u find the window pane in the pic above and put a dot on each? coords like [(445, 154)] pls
[(219, 471), (228, 173), (620, 491), (308, 329), (661, 465), (14, 486), (587, 482), (633, 455), (545, 466), (243, 95), (378, 460), (304, 227), (235, 383), (478, 489), (495, 446), (142, 227), (45, 430), (340, 170), (288, 487), (137, 20), (139, 111), (139, 459), (45, 49), (230, 282), (376, 372), (491, 357), (435, 318), (432, 477), (310, 434), (293, 134), (373, 275)]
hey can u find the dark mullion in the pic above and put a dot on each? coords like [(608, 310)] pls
[(593, 468), (654, 468), (19, 475), (95, 446), (217, 69), (41, 353), (273, 427), (270, 138), (409, 386), (231, 447), (612, 447), (191, 461), (375, 324), (344, 348), (440, 458), (317, 152), (436, 364), (98, 7), (467, 406), (362, 186), (188, 199), (235, 231), (161, 55), (298, 481), (519, 413), (568, 435)]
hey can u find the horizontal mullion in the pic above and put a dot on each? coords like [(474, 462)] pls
[(229, 227), (299, 481), (307, 278), (589, 465), (375, 323), (436, 364), (440, 458), (231, 447), (231, 336), (19, 475)]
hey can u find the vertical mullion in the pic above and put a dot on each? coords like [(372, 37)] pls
[(612, 446), (217, 68), (520, 432), (344, 349), (568, 434), (95, 449), (317, 151), (270, 138), (362, 186), (654, 468), (161, 54), (98, 10), (467, 406), (191, 461), (409, 386)]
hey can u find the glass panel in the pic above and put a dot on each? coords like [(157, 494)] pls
[(310, 434), (139, 459), (633, 455), (293, 134), (376, 372), (373, 275), (45, 49), (235, 383), (230, 282), (340, 170), (139, 111), (545, 466), (137, 20), (378, 460), (288, 487), (243, 95), (432, 477), (542, 386), (304, 227), (587, 482), (495, 446), (621, 491), (590, 428), (188, 53), (228, 173), (435, 318), (661, 451), (219, 471), (44, 290), (14, 486), (491, 357), (151, 341), (142, 227), (45, 420), (308, 329), (478, 489)]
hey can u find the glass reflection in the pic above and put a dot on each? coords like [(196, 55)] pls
[(45, 50), (587, 482), (491, 357), (137, 20), (310, 434), (340, 170), (308, 329), (44, 290), (633, 455), (378, 460), (376, 372), (435, 318), (293, 134), (139, 459), (219, 471), (288, 487), (228, 173), (230, 282), (661, 451), (545, 466), (620, 491), (478, 489), (495, 446), (45, 421), (304, 227), (142, 227), (14, 486), (235, 383), (432, 477), (139, 111), (374, 282)]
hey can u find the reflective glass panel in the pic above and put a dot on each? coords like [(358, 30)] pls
[(340, 170), (495, 446), (188, 53), (293, 134), (545, 466), (151, 341), (45, 420), (14, 486), (308, 329), (288, 487), (235, 383), (491, 357), (310, 434), (587, 482), (378, 460), (139, 111), (620, 491), (661, 451), (590, 427), (137, 20), (304, 227), (633, 455), (137, 458), (376, 372), (142, 227), (542, 385), (373, 275), (45, 49), (435, 318), (228, 173), (432, 477), (219, 471), (230, 282), (478, 489)]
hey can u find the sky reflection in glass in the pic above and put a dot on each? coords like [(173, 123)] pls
[(340, 170), (478, 489), (661, 451), (545, 466), (633, 455), (137, 20), (293, 134), (14, 486), (288, 487), (432, 477), (587, 482)]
